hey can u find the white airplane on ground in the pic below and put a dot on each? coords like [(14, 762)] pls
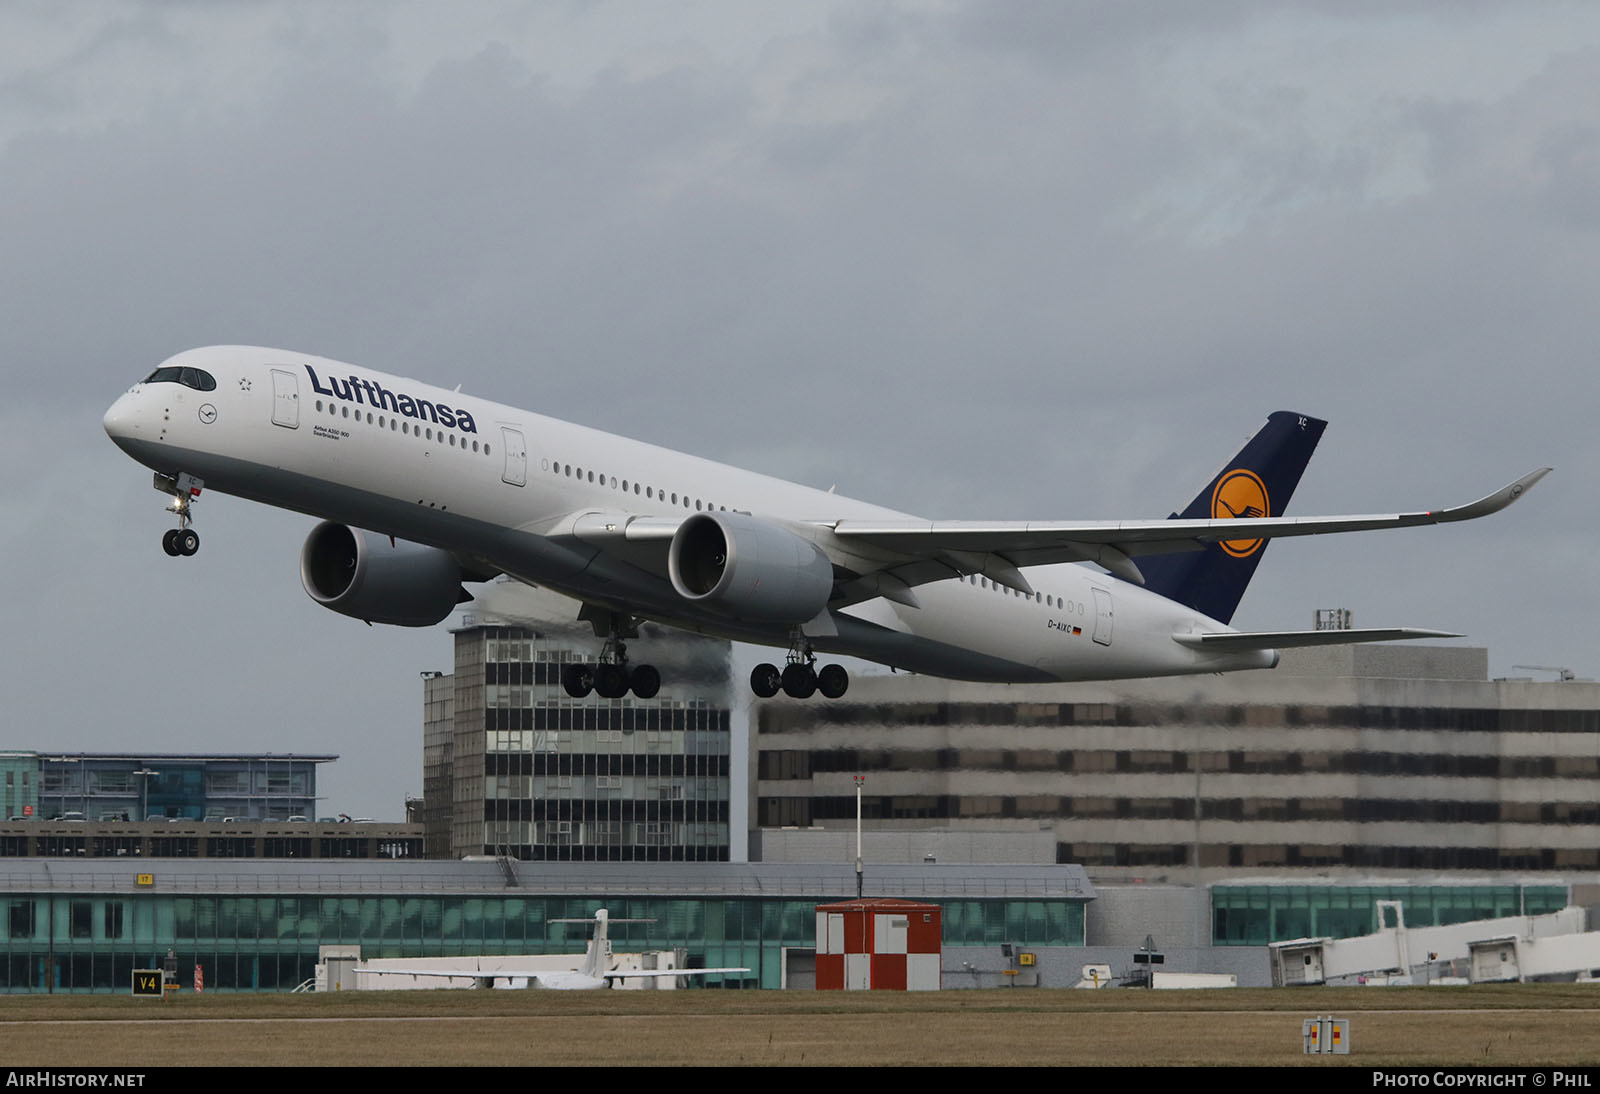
[(422, 489), (594, 972)]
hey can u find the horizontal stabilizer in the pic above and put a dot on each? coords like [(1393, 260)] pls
[(1233, 641)]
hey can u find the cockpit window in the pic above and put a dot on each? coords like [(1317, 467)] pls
[(197, 378)]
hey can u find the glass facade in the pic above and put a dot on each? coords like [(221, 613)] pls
[(93, 942), (167, 786), (1255, 915), (19, 783)]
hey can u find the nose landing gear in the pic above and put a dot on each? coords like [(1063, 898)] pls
[(185, 491), (180, 541)]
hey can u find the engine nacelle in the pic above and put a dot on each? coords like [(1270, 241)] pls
[(360, 574), (749, 568)]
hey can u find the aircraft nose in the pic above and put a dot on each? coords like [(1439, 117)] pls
[(119, 420), (113, 421)]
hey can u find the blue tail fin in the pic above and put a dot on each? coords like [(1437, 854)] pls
[(1257, 482)]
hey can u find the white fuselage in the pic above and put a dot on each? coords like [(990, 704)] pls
[(505, 488)]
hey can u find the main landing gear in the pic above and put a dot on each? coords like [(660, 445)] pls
[(185, 491), (800, 678), (611, 678)]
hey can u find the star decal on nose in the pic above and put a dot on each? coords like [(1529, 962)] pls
[(244, 384)]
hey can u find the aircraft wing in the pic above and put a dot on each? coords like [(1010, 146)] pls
[(556, 979), (1238, 641), (484, 978), (998, 549), (631, 974), (888, 558)]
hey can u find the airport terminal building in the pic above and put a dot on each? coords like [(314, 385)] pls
[(85, 926)]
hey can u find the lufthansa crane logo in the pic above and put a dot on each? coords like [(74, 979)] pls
[(1240, 493)]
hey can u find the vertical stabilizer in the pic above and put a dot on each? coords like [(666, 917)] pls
[(597, 958), (1257, 482)]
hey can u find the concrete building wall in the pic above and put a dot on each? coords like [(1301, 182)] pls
[(1322, 765), (1174, 916), (1031, 844)]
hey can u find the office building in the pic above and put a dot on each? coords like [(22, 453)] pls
[(1343, 761), (514, 766), (168, 785)]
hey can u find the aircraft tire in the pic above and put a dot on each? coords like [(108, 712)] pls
[(577, 680), (645, 681), (833, 681), (169, 542), (799, 681), (610, 681), (765, 681), (187, 542)]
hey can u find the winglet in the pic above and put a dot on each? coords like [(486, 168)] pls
[(1494, 502)]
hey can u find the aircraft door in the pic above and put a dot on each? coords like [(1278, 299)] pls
[(285, 399), (1102, 616), (516, 472)]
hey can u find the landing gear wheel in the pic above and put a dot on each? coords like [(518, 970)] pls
[(577, 680), (645, 681), (833, 681), (764, 681), (610, 681), (799, 681), (169, 542), (187, 541)]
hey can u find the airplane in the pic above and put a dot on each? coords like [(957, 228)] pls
[(594, 972), (421, 489)]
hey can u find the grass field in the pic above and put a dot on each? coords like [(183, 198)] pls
[(1485, 1025)]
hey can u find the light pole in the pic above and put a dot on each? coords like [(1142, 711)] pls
[(860, 782)]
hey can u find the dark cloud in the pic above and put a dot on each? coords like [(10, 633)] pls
[(970, 260)]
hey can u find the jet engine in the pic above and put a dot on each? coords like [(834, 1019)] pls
[(379, 580), (749, 568)]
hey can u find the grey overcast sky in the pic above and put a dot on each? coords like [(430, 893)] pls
[(1010, 260)]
